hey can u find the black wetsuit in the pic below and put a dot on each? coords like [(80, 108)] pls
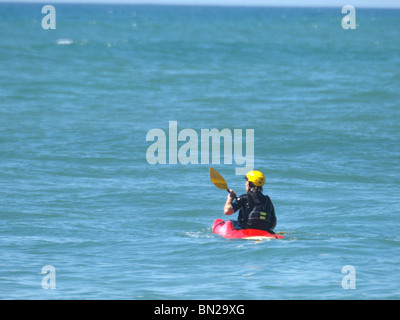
[(256, 212)]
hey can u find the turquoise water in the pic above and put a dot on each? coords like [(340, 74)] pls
[(78, 193)]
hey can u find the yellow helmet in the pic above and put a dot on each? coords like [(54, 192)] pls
[(256, 177)]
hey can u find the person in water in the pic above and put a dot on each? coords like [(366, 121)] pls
[(256, 209)]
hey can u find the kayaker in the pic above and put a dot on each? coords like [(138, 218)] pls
[(256, 209)]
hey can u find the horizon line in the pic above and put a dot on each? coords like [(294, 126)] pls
[(198, 4)]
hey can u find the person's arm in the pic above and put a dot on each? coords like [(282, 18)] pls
[(228, 209)]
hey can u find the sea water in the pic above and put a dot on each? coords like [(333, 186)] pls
[(85, 215)]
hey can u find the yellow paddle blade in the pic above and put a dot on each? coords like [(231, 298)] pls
[(217, 179)]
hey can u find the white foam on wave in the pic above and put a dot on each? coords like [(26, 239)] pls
[(64, 41)]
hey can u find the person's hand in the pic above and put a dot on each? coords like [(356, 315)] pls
[(232, 194)]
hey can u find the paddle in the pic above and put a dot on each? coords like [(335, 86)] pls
[(218, 180)]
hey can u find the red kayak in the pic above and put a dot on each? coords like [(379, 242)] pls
[(226, 230)]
